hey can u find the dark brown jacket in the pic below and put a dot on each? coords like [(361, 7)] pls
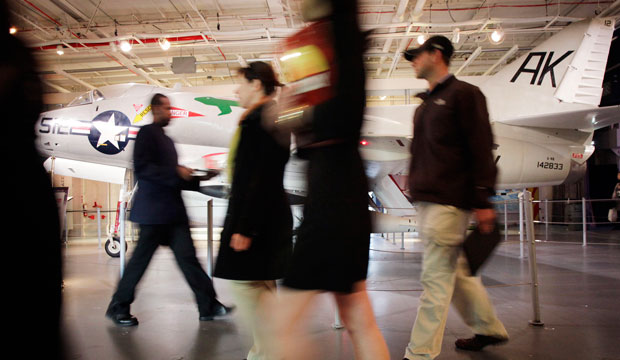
[(452, 160)]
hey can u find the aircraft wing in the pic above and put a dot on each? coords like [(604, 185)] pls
[(588, 119), (86, 170)]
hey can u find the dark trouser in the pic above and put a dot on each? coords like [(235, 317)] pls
[(179, 238)]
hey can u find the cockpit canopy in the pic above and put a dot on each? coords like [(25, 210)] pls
[(86, 98)]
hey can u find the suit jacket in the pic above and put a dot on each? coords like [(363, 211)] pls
[(258, 207), (158, 198)]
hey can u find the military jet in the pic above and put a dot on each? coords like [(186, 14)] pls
[(544, 108)]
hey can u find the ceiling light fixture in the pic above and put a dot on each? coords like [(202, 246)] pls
[(12, 30), (164, 44), (125, 46), (497, 36), (421, 39), (59, 50)]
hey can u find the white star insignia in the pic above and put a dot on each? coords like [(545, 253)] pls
[(109, 132)]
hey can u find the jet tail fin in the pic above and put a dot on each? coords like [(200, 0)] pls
[(583, 80), (562, 74)]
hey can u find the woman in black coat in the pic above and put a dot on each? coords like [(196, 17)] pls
[(256, 242), (331, 251)]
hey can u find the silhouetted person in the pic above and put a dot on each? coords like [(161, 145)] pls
[(31, 229), (615, 209), (159, 210), (616, 193)]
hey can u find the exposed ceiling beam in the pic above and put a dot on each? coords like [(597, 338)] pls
[(418, 10), (400, 11), (74, 9), (276, 9), (56, 87), (503, 59), (73, 78), (401, 47), (129, 65), (471, 59), (612, 9)]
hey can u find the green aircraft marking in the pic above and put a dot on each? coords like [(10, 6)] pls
[(223, 105)]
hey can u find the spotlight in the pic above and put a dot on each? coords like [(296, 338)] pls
[(164, 44), (421, 39), (125, 46), (12, 30), (497, 36), (456, 35), (59, 50)]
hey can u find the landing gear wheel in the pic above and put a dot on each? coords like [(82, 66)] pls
[(113, 247)]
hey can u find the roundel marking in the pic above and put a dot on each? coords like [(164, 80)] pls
[(109, 132)]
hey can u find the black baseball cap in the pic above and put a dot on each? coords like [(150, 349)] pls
[(438, 42)]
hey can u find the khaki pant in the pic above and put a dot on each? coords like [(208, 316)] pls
[(445, 278), (247, 295)]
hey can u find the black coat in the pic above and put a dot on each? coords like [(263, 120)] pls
[(331, 252), (158, 198), (258, 207)]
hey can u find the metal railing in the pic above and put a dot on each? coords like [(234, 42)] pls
[(524, 203)]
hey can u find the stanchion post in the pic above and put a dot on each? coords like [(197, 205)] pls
[(531, 239), (99, 226), (521, 224), (583, 220), (505, 220), (337, 322), (121, 214), (210, 237), (66, 240), (546, 219), (402, 241)]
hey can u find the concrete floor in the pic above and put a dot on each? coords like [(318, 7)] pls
[(579, 294)]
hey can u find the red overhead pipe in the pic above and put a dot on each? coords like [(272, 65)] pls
[(49, 17), (133, 42), (503, 6)]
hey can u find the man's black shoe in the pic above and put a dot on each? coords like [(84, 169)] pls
[(122, 319), (218, 310), (478, 342)]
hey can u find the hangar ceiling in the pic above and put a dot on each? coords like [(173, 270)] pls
[(224, 34)]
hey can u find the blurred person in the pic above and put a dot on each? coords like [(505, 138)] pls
[(616, 193), (612, 215), (256, 242), (332, 246), (451, 175), (33, 281), (159, 210)]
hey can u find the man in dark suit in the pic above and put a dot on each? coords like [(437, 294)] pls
[(159, 209)]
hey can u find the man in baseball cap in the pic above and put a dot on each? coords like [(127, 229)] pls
[(438, 42), (452, 175)]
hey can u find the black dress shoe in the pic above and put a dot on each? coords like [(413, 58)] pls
[(218, 310), (122, 319), (478, 342)]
